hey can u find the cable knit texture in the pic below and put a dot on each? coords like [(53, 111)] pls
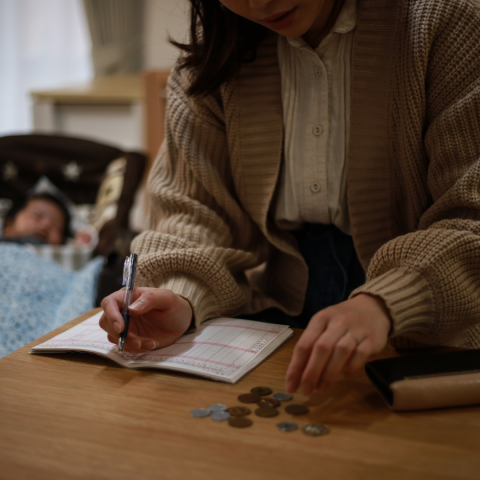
[(413, 179)]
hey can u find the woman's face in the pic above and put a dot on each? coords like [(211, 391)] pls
[(290, 18)]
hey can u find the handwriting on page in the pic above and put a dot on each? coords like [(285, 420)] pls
[(219, 346)]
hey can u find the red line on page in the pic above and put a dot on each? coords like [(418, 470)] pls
[(238, 326), (75, 340), (191, 358), (217, 345)]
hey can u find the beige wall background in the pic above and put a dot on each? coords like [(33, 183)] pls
[(164, 17)]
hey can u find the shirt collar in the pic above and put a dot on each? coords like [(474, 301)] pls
[(345, 23)]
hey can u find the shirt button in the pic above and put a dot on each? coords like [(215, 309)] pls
[(317, 130), (315, 187), (318, 71)]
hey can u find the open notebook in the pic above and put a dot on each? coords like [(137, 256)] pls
[(223, 349)]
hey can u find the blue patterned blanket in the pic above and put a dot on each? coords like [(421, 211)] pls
[(37, 295)]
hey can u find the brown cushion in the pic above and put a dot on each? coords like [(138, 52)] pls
[(75, 166)]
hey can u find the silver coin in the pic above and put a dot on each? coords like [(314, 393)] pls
[(282, 396), (315, 429), (287, 426), (200, 412), (220, 416), (217, 407)]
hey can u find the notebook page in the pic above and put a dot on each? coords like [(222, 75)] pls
[(85, 337), (219, 348)]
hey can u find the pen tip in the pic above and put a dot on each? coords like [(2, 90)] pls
[(120, 345)]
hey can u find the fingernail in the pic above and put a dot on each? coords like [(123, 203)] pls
[(136, 305), (117, 327), (138, 344)]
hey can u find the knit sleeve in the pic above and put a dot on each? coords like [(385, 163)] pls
[(430, 278), (199, 241)]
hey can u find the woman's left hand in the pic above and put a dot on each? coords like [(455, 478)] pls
[(338, 339)]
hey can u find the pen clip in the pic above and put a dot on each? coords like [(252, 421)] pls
[(126, 271), (129, 271)]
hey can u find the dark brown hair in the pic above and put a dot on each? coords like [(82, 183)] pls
[(220, 41), (22, 203)]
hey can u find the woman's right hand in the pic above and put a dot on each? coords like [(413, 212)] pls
[(158, 318)]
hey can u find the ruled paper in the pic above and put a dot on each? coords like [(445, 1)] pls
[(219, 347)]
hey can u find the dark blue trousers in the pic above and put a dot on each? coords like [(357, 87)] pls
[(334, 271)]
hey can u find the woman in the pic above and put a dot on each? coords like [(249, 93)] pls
[(302, 135)]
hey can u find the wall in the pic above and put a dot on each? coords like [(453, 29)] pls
[(164, 17)]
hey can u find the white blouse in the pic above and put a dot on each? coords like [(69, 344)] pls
[(316, 112)]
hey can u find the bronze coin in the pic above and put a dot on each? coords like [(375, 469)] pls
[(262, 391), (239, 411), (248, 398), (239, 422), (268, 402), (266, 412), (296, 409)]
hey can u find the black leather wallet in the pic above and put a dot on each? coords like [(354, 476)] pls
[(431, 380)]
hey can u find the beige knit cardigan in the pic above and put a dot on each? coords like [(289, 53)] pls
[(413, 179)]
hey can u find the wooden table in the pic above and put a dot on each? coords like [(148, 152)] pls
[(77, 416)]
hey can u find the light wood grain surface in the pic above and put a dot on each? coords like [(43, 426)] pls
[(77, 416), (112, 89)]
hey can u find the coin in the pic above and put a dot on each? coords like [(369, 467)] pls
[(220, 415), (315, 429), (282, 396), (200, 412), (262, 391), (217, 407), (287, 426), (268, 402), (239, 411), (249, 398), (296, 409), (239, 422), (266, 412)]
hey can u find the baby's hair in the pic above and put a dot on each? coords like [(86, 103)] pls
[(20, 204), (220, 41)]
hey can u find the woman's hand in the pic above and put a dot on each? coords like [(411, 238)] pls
[(158, 318), (338, 339)]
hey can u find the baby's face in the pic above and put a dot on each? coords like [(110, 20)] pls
[(40, 218)]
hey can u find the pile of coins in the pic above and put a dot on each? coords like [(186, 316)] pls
[(267, 408)]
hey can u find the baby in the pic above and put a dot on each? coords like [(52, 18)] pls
[(40, 218)]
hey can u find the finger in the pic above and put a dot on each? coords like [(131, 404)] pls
[(136, 344), (302, 350), (153, 299), (359, 357), (116, 296), (111, 309), (342, 352), (107, 326), (320, 355)]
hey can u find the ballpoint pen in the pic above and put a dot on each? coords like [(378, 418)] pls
[(129, 273)]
